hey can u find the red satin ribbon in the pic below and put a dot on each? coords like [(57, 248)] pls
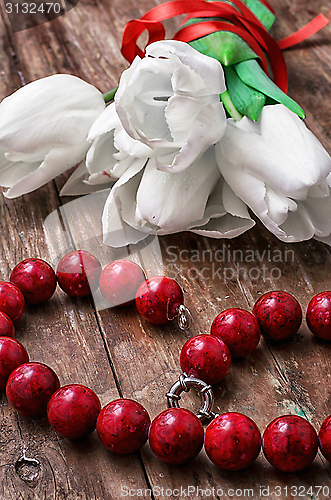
[(239, 20), (303, 33)]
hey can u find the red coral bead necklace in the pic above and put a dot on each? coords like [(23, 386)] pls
[(232, 440)]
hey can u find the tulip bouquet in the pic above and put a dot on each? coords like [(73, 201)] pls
[(195, 135)]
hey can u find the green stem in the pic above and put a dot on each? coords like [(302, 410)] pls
[(109, 96), (230, 107)]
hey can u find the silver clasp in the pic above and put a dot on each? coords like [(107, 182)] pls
[(184, 384), (184, 317)]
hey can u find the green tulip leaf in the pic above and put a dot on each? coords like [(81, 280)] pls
[(227, 47), (230, 108), (266, 17), (248, 101), (251, 73), (110, 95)]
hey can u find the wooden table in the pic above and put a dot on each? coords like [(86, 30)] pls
[(115, 352)]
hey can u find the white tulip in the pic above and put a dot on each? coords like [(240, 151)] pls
[(147, 201), (43, 130), (281, 171), (170, 101)]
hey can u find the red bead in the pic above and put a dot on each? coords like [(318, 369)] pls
[(158, 300), (12, 354), (232, 441), (279, 315), (122, 426), (176, 436), (11, 301), (239, 329), (78, 273), (36, 280), (290, 443), (324, 438), (73, 410), (30, 387), (318, 315), (7, 328), (119, 282), (205, 357)]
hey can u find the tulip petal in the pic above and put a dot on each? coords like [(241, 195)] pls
[(207, 67), (282, 151), (227, 226), (105, 122), (215, 203), (173, 201), (206, 130), (320, 190), (56, 162), (232, 203), (100, 157), (137, 149), (13, 156), (278, 205), (117, 171), (76, 184), (319, 212), (118, 233), (181, 110), (186, 82), (228, 220), (253, 192), (11, 172), (62, 120), (297, 227), (120, 207), (149, 115), (113, 151), (186, 110), (140, 104)]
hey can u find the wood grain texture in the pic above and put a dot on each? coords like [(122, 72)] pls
[(115, 352)]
